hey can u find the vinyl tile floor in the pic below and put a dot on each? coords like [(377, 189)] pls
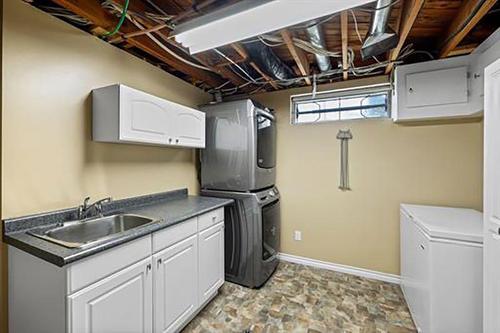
[(298, 298)]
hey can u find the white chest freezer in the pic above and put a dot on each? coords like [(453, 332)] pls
[(442, 267)]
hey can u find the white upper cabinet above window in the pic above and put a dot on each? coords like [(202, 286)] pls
[(437, 89), (121, 114)]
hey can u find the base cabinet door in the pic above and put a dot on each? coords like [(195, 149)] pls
[(175, 285), (120, 303), (211, 263)]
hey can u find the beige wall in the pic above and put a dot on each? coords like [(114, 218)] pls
[(389, 164), (48, 159), (49, 162)]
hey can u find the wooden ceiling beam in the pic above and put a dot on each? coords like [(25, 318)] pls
[(202, 58), (409, 14), (463, 23), (462, 50), (344, 27), (93, 11), (244, 54), (298, 55)]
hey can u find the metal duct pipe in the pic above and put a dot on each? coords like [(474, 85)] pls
[(381, 38), (318, 40), (268, 61)]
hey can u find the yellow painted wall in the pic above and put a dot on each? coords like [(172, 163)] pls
[(48, 159), (438, 164)]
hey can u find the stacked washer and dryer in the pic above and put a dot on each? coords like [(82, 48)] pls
[(239, 162)]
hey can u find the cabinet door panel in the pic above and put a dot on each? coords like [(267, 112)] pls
[(120, 303), (190, 127), (175, 285), (143, 117), (211, 262)]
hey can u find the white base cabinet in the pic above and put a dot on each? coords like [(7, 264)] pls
[(121, 114), (156, 283), (175, 289), (120, 303), (211, 263)]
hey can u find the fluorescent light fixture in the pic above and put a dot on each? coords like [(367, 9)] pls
[(249, 18)]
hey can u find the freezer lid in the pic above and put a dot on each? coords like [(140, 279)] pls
[(446, 222)]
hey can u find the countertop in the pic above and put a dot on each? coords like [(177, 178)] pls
[(169, 208)]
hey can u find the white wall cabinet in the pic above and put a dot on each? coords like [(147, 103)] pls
[(444, 88), (119, 303), (157, 283), (211, 263), (176, 285), (437, 89), (121, 114)]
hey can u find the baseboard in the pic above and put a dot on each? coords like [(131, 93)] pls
[(366, 273)]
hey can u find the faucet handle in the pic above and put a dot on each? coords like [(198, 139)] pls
[(86, 202)]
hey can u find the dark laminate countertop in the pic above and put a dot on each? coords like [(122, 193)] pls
[(169, 208)]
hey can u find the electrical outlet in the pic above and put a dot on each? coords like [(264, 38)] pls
[(297, 235)]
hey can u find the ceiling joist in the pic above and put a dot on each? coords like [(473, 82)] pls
[(467, 17), (344, 27), (297, 54), (409, 14), (92, 11), (147, 35)]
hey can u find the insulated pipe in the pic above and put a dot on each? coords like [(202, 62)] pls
[(268, 61), (318, 40), (380, 38)]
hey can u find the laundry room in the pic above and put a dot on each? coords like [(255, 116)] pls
[(250, 166)]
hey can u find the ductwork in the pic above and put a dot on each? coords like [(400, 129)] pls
[(268, 61), (381, 38), (318, 40)]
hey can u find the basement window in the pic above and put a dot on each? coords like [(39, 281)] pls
[(342, 104)]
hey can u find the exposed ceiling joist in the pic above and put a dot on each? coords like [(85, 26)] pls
[(409, 13), (467, 17), (92, 11), (202, 58), (462, 50), (244, 54), (344, 26), (297, 54)]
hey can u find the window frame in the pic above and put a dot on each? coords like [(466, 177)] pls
[(336, 93)]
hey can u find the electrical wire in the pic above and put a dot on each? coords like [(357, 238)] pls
[(66, 14), (120, 22), (356, 25), (114, 7), (235, 64)]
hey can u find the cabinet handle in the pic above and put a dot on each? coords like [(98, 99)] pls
[(422, 247), (148, 268), (158, 263), (176, 140), (213, 218)]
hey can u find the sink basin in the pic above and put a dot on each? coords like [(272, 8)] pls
[(77, 234)]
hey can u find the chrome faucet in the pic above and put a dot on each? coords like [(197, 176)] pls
[(85, 208)]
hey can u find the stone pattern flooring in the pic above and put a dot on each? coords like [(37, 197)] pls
[(298, 298)]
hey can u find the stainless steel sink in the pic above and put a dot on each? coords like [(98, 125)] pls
[(77, 234)]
